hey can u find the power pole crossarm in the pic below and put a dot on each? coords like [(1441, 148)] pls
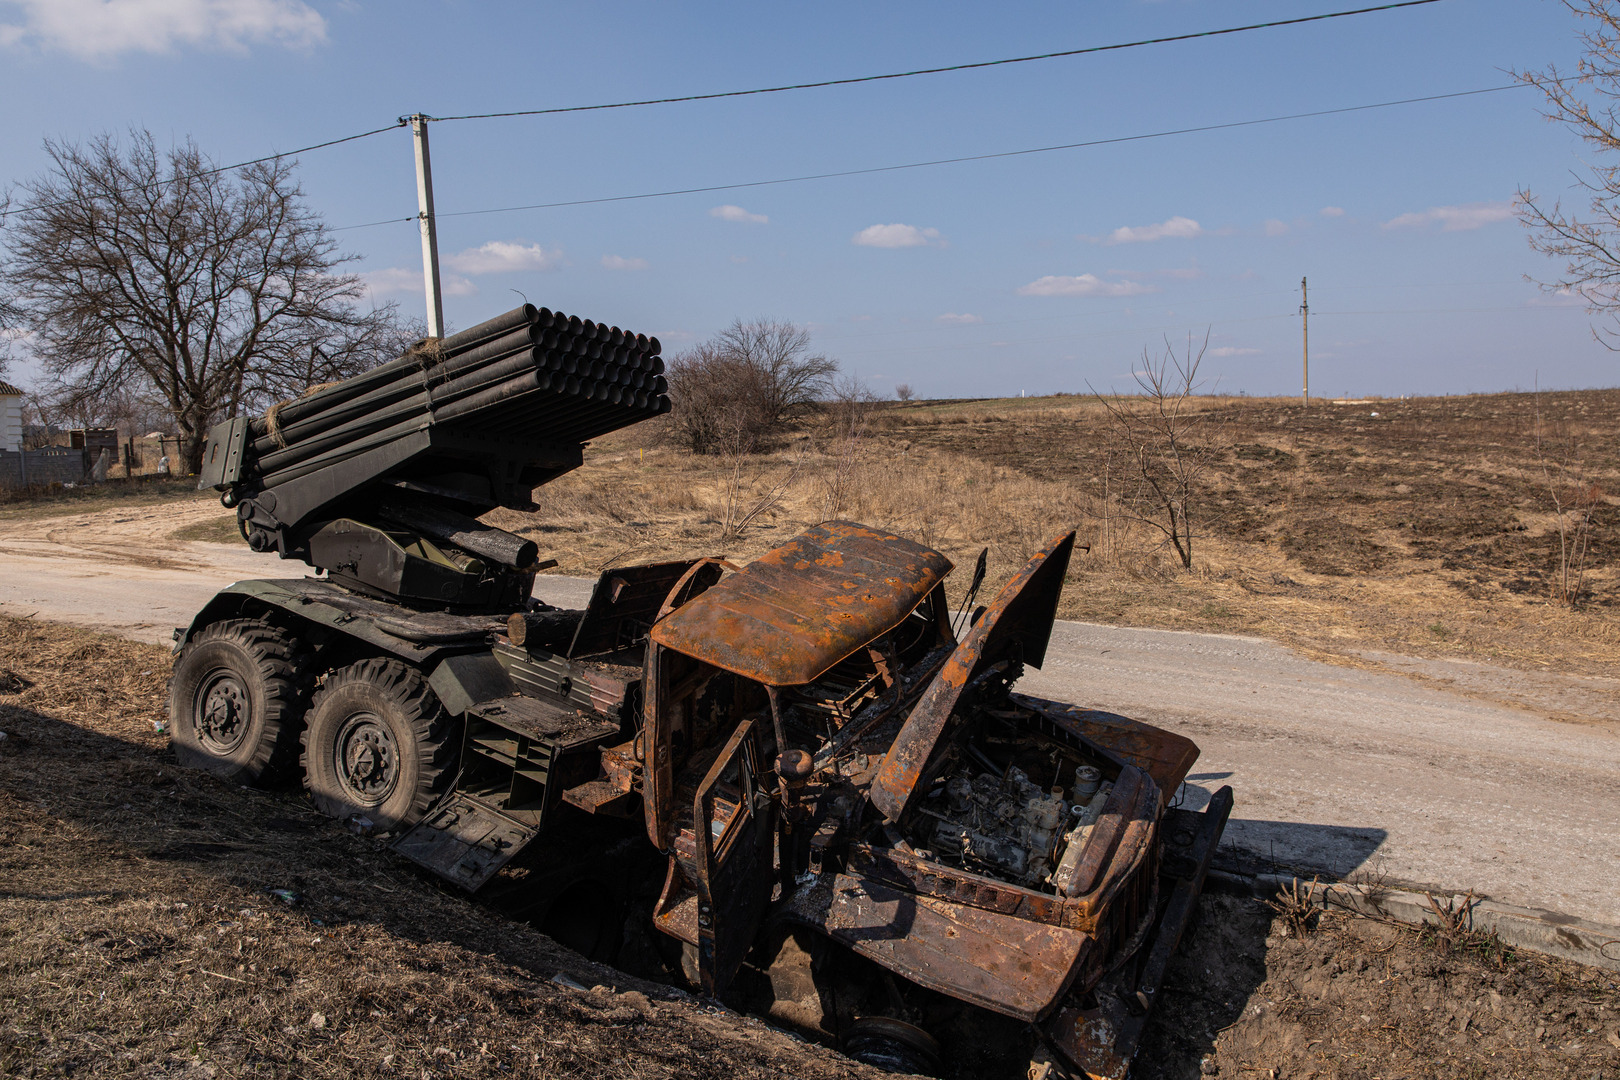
[(430, 238)]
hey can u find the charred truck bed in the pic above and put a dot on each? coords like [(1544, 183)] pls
[(811, 746)]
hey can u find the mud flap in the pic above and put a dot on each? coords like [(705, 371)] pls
[(464, 841)]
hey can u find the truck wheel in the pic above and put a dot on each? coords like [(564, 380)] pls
[(378, 745), (236, 699), (892, 1046)]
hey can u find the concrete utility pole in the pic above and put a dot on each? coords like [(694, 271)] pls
[(430, 237), (1305, 313)]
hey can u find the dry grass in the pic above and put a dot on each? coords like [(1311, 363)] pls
[(1420, 531), (29, 503), (1258, 993), (1425, 530), (138, 936)]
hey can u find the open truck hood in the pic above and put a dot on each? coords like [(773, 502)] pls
[(1017, 625)]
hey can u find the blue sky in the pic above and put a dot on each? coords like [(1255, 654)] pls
[(1035, 273)]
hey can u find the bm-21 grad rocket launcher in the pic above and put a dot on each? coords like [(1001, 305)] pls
[(803, 784)]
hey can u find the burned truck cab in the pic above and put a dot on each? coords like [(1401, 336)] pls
[(821, 748)]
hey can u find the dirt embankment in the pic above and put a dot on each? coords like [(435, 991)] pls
[(156, 922), (139, 933)]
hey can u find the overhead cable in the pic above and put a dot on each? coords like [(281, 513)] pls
[(403, 121), (941, 70), (959, 160), (222, 168)]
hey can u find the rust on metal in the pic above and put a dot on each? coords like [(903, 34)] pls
[(1021, 615), (1004, 963), (790, 615)]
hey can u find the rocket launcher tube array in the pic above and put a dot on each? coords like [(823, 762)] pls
[(531, 373)]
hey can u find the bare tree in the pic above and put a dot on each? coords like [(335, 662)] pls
[(1586, 101), (789, 377), (731, 392), (1166, 443), (903, 392), (1574, 499), (715, 404), (10, 315), (216, 290)]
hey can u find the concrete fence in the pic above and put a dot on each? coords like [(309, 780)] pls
[(51, 465)]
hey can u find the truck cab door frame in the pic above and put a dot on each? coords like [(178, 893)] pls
[(735, 871)]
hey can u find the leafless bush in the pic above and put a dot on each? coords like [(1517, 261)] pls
[(747, 496), (1163, 444), (849, 412), (1574, 498), (1296, 903), (733, 392), (903, 392)]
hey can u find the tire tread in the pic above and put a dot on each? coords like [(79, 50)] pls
[(431, 725), (285, 666)]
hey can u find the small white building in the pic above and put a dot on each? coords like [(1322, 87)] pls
[(11, 423)]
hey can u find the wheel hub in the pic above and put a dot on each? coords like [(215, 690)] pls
[(368, 760), (221, 713)]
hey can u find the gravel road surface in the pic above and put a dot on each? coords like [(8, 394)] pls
[(1443, 773)]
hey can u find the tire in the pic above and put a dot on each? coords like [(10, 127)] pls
[(237, 700), (378, 744)]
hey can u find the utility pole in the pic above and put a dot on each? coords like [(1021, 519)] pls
[(430, 238), (1305, 313)]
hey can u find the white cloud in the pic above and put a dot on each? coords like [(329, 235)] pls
[(97, 29), (738, 214), (619, 262), (503, 257), (399, 280), (894, 236), (1455, 218), (1083, 285), (959, 320), (739, 259), (1176, 228), (1233, 350), (1332, 211), (1275, 227), (1558, 298)]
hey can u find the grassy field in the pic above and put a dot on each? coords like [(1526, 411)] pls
[(1418, 526), (1422, 526)]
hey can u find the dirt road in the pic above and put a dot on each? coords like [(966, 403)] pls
[(1431, 772)]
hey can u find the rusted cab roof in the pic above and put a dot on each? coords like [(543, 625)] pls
[(788, 616)]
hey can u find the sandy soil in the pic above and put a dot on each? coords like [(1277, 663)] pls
[(1439, 773)]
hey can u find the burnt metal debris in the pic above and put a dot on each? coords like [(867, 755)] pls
[(809, 747)]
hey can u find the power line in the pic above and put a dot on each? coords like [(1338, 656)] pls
[(402, 121), (942, 70), (222, 168), (959, 160)]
